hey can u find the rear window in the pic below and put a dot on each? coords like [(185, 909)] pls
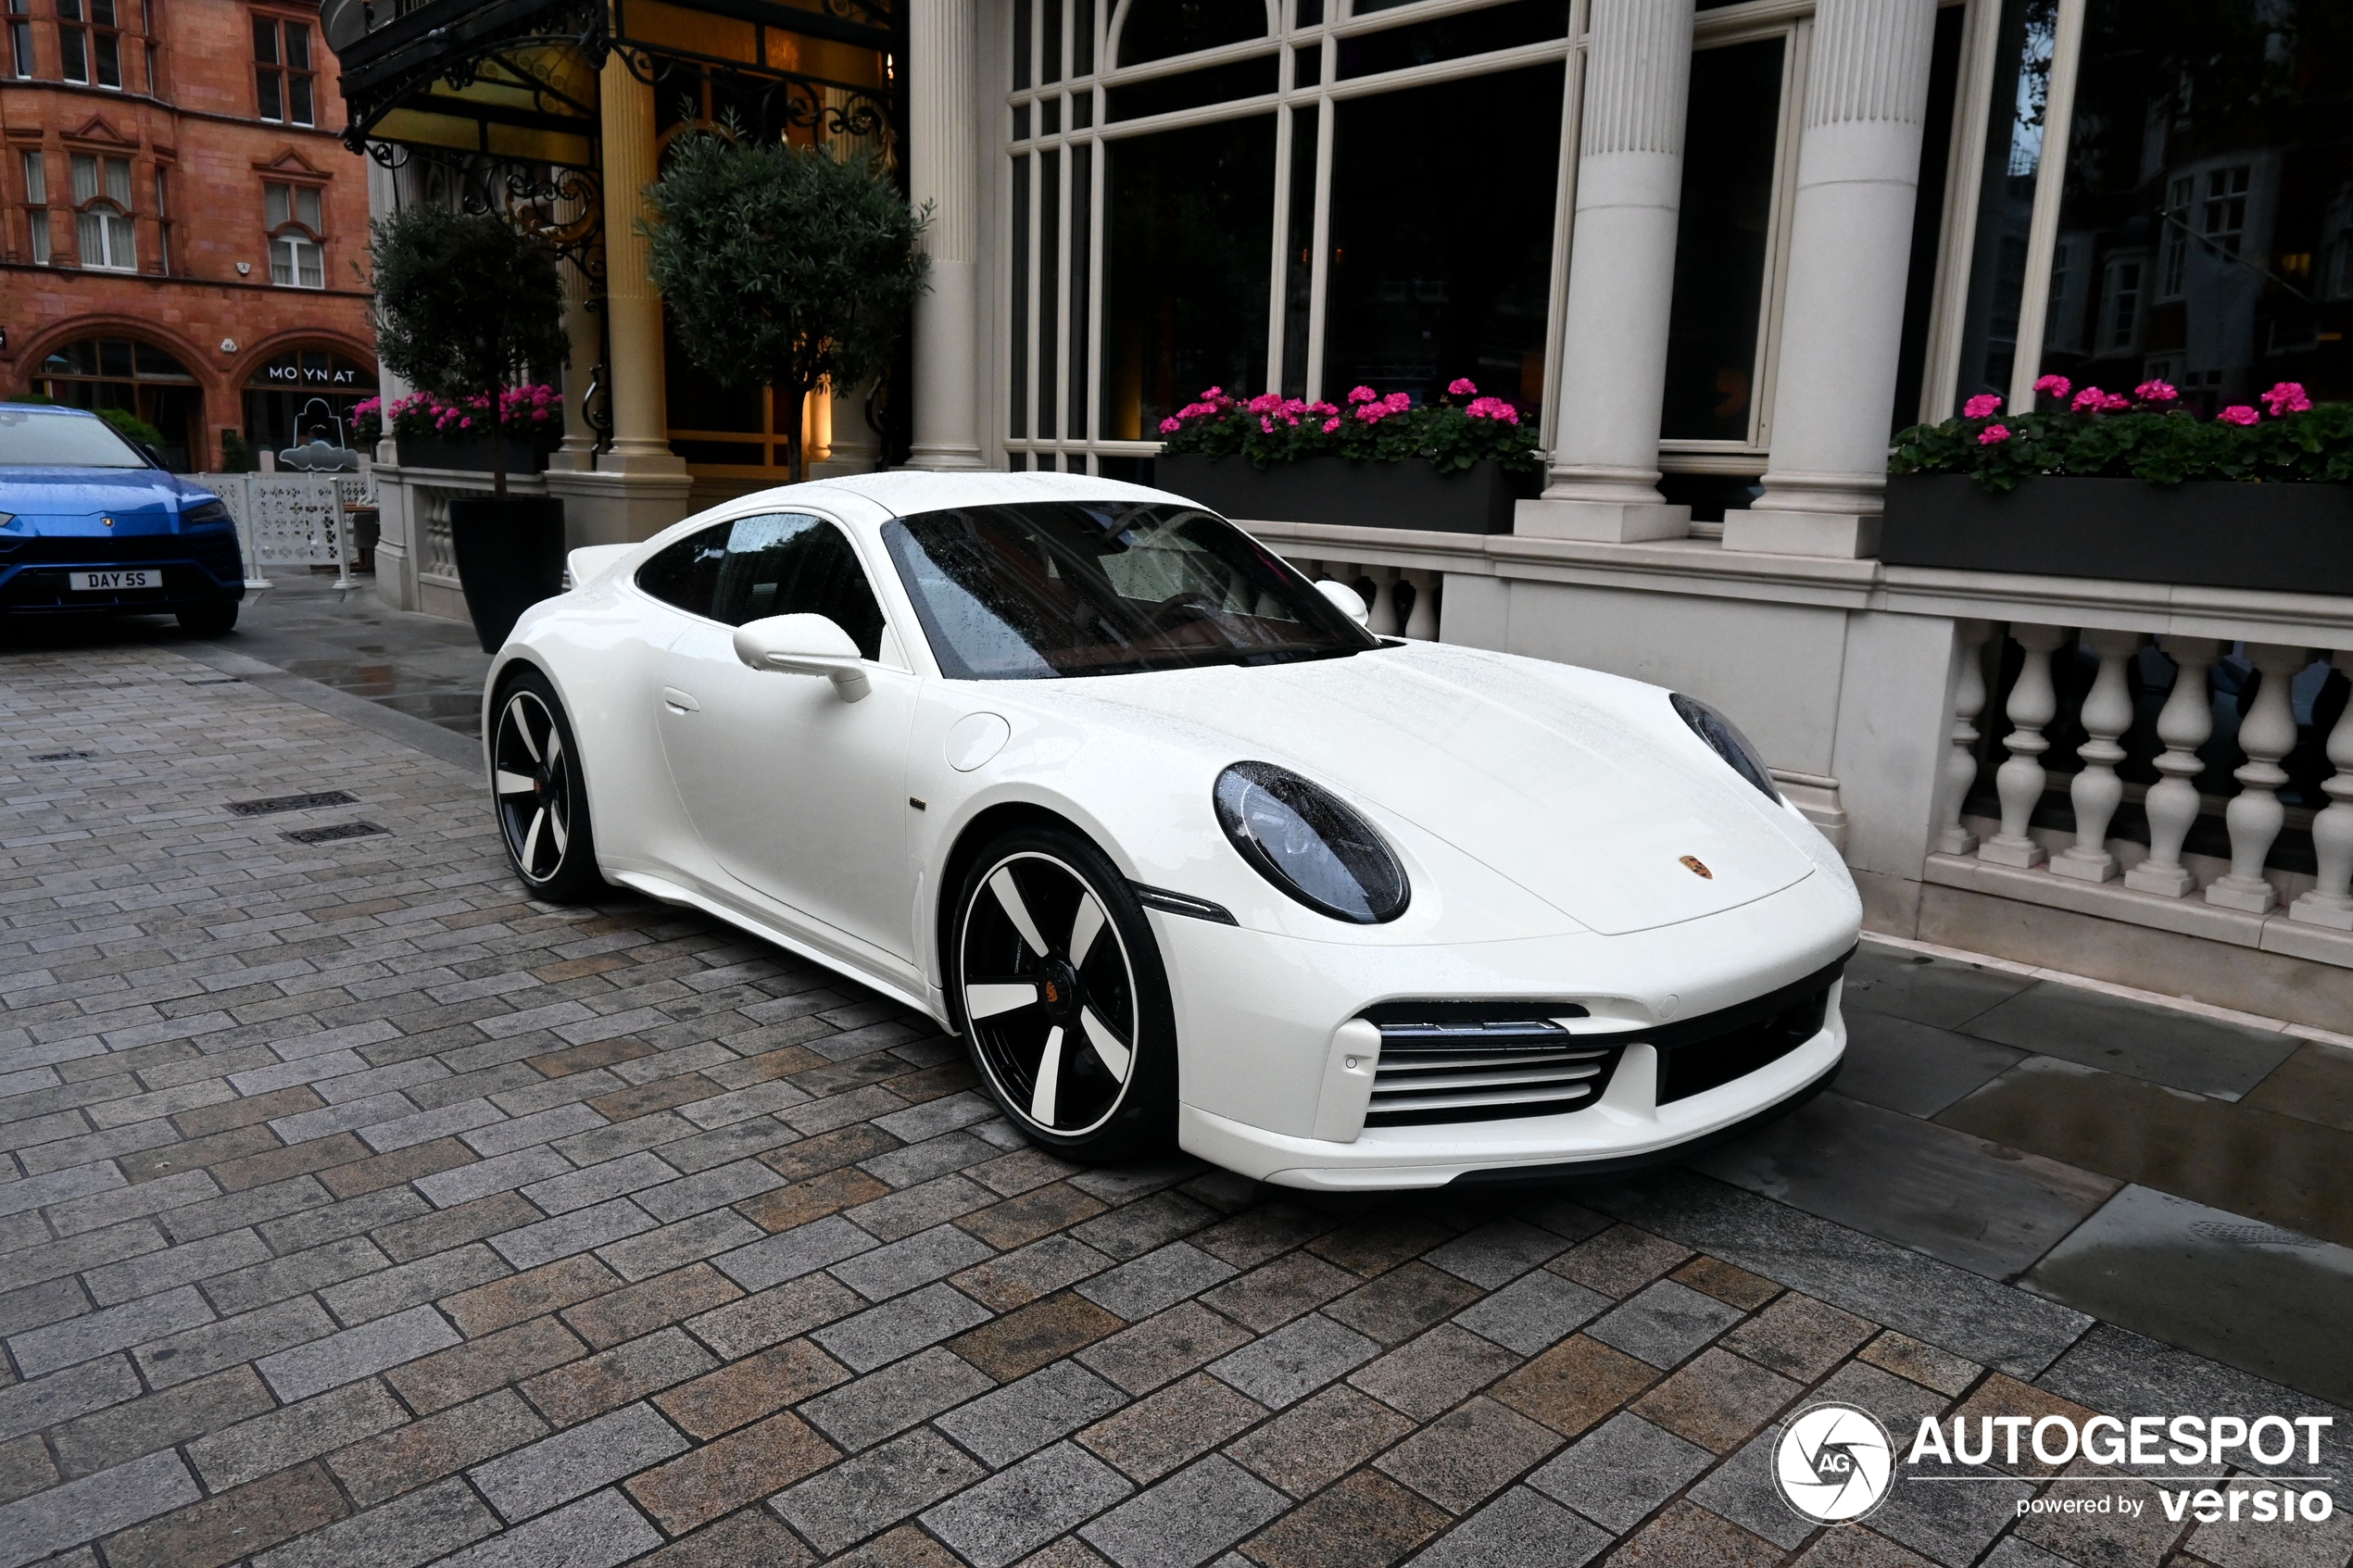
[(36, 439)]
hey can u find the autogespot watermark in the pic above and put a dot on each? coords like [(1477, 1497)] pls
[(1835, 1464)]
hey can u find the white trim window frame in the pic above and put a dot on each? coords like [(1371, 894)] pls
[(107, 238), (298, 253), (1080, 250)]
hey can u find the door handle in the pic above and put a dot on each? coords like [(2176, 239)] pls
[(678, 701)]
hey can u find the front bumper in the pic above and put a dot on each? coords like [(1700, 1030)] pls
[(1269, 1041), (198, 569)]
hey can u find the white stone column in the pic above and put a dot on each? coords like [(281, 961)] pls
[(2184, 724), (1621, 282), (2020, 780), (2330, 901), (584, 332), (1849, 256), (640, 422), (2096, 792), (943, 169), (2267, 733)]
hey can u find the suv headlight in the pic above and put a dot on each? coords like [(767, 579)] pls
[(1725, 739), (207, 514), (1308, 843)]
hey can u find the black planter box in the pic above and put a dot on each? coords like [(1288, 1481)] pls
[(510, 555), (2211, 534), (1350, 495), (469, 454)]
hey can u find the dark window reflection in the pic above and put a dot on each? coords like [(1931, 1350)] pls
[(1720, 241), (1157, 29), (2206, 232), (1188, 217), (1441, 263), (2005, 196)]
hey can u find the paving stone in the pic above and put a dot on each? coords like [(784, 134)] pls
[(1030, 1336), (1620, 1260), (584, 1388), (745, 1390), (1315, 1443), (1428, 1376), (672, 1246), (918, 1207), (1726, 1283), (405, 1534), (905, 1265), (1029, 1273), (1799, 1336), (352, 1216), (550, 1287), (1187, 1519), (231, 1525), (1717, 1400), (1690, 1537), (1574, 1384), (1468, 1454), (25, 1467), (1047, 1405), (885, 1403), (599, 1531), (233, 1341), (756, 1536), (379, 1295), (707, 1189), (1134, 1229), (730, 1473), (1665, 1323), (900, 1327), (1367, 1519), (1496, 1252), (506, 1173), (1274, 1293), (1622, 1471), (783, 1207), (463, 1372), (794, 1253), (294, 1433), (37, 1306), (1172, 1427), (96, 1505), (579, 1231), (1296, 1360), (242, 1290), (102, 1332), (648, 1305), (124, 1431), (440, 1445), (158, 1271), (1520, 1528), (773, 1316), (356, 1353), (1534, 1312), (557, 1469), (410, 1239), (1924, 1364), (1165, 1345), (1155, 1281), (1019, 1509), (870, 1492)]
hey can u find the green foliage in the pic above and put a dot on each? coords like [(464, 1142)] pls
[(1272, 429), (131, 427), (235, 455), (781, 266), (2162, 447), (466, 305)]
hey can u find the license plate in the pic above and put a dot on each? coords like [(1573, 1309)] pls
[(113, 582)]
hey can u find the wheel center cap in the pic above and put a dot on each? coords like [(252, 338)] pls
[(1057, 987)]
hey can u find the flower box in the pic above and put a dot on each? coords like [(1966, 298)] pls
[(1349, 494), (2286, 537), (471, 455)]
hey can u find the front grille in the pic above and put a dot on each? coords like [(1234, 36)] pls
[(1707, 1052), (1472, 1061)]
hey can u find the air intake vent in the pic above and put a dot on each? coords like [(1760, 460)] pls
[(1479, 1062)]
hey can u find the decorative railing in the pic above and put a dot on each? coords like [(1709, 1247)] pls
[(1402, 601), (292, 520)]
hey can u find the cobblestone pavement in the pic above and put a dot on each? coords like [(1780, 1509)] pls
[(355, 1212)]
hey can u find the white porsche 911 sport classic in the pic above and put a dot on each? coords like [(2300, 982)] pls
[(1180, 847)]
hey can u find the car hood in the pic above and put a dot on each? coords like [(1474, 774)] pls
[(75, 499), (1561, 780)]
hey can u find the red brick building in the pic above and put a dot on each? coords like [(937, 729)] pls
[(180, 231)]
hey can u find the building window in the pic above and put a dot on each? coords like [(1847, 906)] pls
[(2120, 306), (282, 76), (20, 39), (295, 259), (89, 40), (102, 198), (36, 196), (305, 394), (114, 372), (163, 226)]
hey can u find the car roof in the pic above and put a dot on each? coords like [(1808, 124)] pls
[(906, 492), (47, 408)]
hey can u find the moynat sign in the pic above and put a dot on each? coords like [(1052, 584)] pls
[(304, 375)]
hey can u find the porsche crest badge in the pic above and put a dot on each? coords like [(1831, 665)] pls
[(1697, 867)]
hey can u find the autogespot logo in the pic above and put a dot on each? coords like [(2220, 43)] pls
[(1833, 1464)]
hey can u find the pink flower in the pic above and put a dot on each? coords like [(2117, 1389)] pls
[(1266, 424), (1266, 402), (1213, 394), (2157, 392), (2238, 414), (2055, 385), (1170, 427), (1397, 402), (1983, 406), (1992, 435), (1330, 425), (1362, 395), (1318, 408), (1493, 408), (2089, 400), (2286, 397), (1462, 387)]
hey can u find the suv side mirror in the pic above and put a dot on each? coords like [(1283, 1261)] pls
[(804, 645)]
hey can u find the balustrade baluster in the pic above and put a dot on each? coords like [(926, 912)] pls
[(2184, 724), (2033, 703), (2330, 902), (1960, 763), (2267, 732), (2096, 792), (1384, 606), (1422, 623)]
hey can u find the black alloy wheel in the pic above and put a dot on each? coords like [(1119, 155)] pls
[(1060, 986), (543, 808)]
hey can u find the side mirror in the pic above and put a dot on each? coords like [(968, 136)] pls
[(1351, 602), (804, 645)]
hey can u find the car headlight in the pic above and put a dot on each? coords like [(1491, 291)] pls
[(1725, 739), (207, 514), (1308, 843)]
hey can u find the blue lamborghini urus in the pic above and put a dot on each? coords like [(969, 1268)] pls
[(88, 523)]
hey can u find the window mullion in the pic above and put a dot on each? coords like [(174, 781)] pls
[(1319, 271), (2050, 186)]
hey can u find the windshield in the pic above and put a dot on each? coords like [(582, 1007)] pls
[(1052, 588), (30, 438)]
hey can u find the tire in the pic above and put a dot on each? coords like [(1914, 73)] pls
[(208, 620), (1101, 1028), (539, 794)]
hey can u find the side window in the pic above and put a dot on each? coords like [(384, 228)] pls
[(785, 564), (686, 574)]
